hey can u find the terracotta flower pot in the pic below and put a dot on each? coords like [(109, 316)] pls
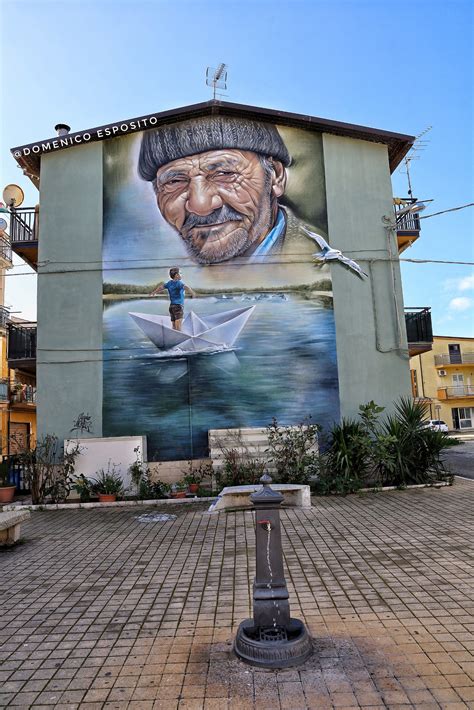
[(107, 497), (193, 487), (179, 494), (7, 493)]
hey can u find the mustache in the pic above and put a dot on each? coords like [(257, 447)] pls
[(223, 214)]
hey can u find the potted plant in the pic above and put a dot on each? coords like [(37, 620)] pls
[(7, 490), (178, 490), (108, 485), (193, 480)]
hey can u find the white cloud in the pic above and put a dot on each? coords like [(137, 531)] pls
[(462, 303), (466, 283)]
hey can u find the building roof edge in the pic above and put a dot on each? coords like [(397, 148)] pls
[(29, 155)]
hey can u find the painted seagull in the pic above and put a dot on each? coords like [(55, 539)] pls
[(330, 254)]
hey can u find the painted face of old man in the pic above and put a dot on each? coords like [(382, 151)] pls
[(222, 202)]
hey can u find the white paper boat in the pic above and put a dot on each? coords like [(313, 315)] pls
[(198, 333)]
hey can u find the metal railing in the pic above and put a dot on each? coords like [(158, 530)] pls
[(21, 342), (459, 391), (418, 324), (5, 250), (455, 359), (409, 222), (24, 394), (4, 390), (4, 316), (17, 475), (23, 226)]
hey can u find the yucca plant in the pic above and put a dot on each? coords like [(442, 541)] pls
[(414, 455), (397, 452)]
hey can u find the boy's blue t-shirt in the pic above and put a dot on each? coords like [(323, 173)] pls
[(176, 291)]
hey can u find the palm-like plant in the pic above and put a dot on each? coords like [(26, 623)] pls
[(399, 451), (414, 455)]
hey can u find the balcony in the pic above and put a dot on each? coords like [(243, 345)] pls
[(23, 395), (22, 347), (5, 253), (457, 392), (24, 234), (454, 359), (4, 316), (408, 225), (4, 390), (419, 330)]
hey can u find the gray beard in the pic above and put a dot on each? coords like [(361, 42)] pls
[(213, 253)]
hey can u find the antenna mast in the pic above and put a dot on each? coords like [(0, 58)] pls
[(418, 145), (217, 78)]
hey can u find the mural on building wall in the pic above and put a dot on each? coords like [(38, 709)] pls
[(238, 207)]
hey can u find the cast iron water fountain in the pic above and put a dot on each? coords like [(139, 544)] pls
[(272, 639)]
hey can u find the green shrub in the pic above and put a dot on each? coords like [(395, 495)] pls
[(152, 490), (239, 469), (399, 451), (83, 486), (293, 451), (414, 451)]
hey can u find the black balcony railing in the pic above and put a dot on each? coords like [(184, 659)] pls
[(418, 325), (4, 316), (21, 342), (23, 225), (409, 222), (5, 250)]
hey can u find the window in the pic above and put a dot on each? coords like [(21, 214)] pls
[(466, 417), (454, 354), (458, 384)]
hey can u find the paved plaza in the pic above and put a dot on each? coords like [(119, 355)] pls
[(100, 610)]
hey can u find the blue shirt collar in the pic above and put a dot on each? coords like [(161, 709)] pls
[(272, 237)]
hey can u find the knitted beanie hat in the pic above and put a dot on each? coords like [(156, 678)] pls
[(178, 140)]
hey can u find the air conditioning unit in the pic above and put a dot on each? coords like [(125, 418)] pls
[(442, 373)]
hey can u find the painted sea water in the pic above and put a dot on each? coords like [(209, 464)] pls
[(283, 365)]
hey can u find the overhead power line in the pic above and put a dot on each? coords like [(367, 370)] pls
[(453, 209), (379, 258)]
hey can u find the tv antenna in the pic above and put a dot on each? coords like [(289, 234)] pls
[(217, 78), (418, 146)]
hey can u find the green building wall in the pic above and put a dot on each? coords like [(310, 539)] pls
[(69, 355), (372, 353)]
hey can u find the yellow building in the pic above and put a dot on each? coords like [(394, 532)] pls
[(17, 377), (5, 263), (444, 378)]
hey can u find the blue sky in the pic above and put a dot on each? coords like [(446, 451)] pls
[(399, 66)]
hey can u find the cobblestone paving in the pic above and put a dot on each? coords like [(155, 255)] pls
[(102, 611)]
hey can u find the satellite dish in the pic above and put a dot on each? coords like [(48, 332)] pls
[(3, 225), (13, 195)]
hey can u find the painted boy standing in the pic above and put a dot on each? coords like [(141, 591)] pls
[(176, 289)]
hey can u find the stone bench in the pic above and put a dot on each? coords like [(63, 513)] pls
[(10, 525), (238, 496)]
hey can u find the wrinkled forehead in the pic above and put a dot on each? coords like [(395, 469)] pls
[(229, 158)]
